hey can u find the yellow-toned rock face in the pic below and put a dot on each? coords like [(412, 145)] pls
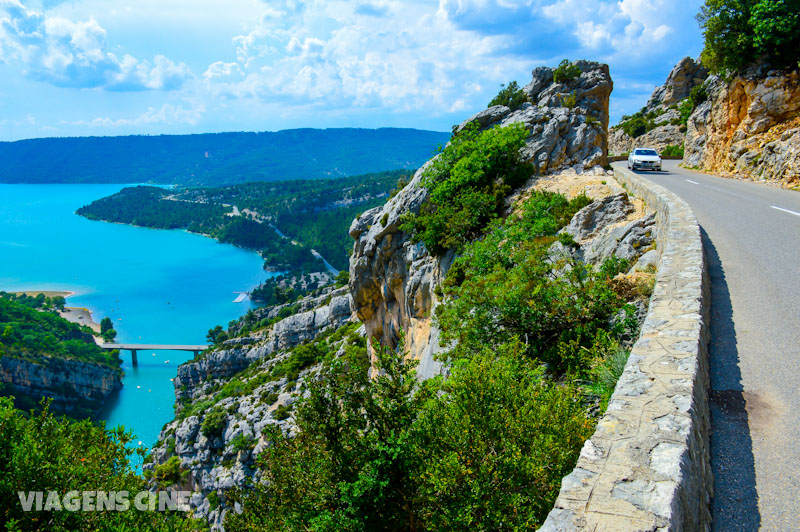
[(749, 128)]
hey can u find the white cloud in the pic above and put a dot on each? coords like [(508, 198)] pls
[(67, 53), (336, 55), (166, 115)]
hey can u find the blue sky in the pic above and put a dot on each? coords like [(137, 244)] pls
[(117, 67)]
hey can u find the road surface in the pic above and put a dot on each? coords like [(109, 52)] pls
[(751, 235)]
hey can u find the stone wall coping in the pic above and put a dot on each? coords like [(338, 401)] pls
[(647, 466)]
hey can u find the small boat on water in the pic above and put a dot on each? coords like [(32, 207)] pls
[(138, 387)]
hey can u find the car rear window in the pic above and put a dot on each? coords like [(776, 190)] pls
[(645, 152)]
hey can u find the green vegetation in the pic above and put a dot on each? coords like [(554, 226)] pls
[(739, 33), (566, 71), (482, 449), (33, 333), (672, 151), (40, 452), (511, 96), (311, 213), (216, 159), (504, 290), (640, 122), (213, 423), (467, 185)]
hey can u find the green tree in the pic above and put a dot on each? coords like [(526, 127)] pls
[(495, 441), (109, 335), (216, 335), (511, 96), (349, 468), (566, 71), (40, 452), (106, 324), (739, 32), (776, 30)]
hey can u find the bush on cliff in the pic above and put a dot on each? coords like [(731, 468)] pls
[(507, 287), (511, 96), (484, 449), (468, 183), (566, 71)]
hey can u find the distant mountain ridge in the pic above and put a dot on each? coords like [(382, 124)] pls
[(217, 158)]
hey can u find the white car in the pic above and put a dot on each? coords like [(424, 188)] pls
[(644, 159)]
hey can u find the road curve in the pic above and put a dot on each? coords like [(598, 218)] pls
[(751, 235)]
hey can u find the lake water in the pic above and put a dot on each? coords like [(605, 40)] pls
[(157, 286)]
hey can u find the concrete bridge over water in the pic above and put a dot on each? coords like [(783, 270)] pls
[(134, 348)]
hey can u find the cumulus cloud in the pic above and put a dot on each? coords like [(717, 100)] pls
[(338, 54), (67, 53)]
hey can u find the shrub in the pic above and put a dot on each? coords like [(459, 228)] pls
[(506, 288), (467, 183), (42, 452), (672, 150), (495, 444), (566, 71), (213, 423), (281, 413), (698, 95), (242, 443), (511, 96), (569, 101), (170, 472)]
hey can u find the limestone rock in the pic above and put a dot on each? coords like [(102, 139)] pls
[(749, 128), (393, 280), (598, 215), (70, 383), (686, 75), (567, 121)]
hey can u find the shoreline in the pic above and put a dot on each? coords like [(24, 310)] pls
[(77, 315)]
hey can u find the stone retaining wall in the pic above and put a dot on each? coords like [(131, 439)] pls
[(647, 466)]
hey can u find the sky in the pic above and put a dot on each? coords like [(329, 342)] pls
[(120, 67)]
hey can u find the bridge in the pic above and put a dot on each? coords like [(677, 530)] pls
[(134, 348)]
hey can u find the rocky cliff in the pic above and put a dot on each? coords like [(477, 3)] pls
[(228, 396), (76, 387), (667, 129), (749, 127), (393, 280)]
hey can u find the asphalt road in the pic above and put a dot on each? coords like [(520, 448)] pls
[(751, 234)]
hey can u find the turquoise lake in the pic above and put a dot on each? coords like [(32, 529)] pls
[(157, 286)]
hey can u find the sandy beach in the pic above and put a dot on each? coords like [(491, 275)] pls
[(47, 293)]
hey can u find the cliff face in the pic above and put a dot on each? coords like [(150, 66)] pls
[(393, 280), (685, 76), (238, 382), (74, 386), (749, 127)]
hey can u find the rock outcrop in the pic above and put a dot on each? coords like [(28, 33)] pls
[(657, 139), (75, 386), (237, 380), (685, 76), (393, 280), (749, 127)]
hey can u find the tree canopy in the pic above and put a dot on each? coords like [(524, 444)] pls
[(739, 33)]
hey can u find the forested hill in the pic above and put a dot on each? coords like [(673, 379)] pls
[(216, 158)]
